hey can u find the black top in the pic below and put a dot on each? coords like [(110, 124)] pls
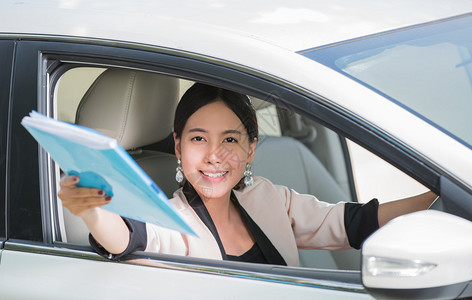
[(253, 255), (360, 221)]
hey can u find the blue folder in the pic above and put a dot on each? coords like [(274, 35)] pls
[(102, 163)]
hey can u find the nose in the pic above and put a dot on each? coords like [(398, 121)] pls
[(214, 155)]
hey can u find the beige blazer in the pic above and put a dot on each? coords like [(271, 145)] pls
[(290, 221)]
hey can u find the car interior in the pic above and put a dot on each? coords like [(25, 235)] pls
[(137, 107)]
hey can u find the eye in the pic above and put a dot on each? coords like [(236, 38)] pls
[(230, 140), (198, 139)]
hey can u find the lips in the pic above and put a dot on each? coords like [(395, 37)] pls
[(214, 175)]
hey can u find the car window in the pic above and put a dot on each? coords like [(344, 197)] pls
[(267, 118), (425, 69), (291, 147), (376, 178), (74, 84)]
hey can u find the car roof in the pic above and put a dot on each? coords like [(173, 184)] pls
[(293, 25)]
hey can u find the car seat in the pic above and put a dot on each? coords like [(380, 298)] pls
[(137, 109), (286, 161)]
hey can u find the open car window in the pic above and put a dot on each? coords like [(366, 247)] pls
[(292, 150)]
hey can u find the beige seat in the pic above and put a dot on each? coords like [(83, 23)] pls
[(286, 161), (137, 109)]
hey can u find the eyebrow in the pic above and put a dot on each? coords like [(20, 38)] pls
[(233, 131), (197, 130)]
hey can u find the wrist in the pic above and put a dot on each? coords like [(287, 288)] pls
[(90, 216)]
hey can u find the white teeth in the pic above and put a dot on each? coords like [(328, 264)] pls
[(214, 175)]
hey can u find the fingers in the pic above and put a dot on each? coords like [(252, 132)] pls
[(83, 196), (83, 205), (80, 192), (79, 199), (69, 181)]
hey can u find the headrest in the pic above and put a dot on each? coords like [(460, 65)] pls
[(136, 108)]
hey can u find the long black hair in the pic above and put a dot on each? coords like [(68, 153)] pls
[(199, 95)]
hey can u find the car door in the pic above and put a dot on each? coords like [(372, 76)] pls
[(35, 253)]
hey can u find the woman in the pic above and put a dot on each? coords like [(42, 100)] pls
[(236, 216)]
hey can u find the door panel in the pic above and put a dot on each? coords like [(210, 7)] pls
[(55, 277)]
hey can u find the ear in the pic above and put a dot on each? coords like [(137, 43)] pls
[(252, 149), (177, 146)]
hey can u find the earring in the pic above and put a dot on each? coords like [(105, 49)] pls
[(248, 179), (179, 176)]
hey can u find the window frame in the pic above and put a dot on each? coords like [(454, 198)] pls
[(7, 50), (23, 197)]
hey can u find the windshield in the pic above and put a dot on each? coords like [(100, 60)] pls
[(425, 69)]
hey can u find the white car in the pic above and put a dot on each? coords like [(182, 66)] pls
[(348, 94)]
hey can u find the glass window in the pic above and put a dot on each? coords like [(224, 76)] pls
[(427, 70), (268, 121), (375, 178)]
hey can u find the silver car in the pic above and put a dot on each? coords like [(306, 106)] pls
[(355, 99)]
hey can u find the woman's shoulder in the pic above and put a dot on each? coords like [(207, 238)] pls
[(261, 185)]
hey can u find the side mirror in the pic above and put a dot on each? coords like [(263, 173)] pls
[(423, 255)]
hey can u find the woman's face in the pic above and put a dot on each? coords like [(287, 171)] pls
[(214, 150)]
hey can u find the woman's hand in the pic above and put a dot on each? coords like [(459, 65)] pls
[(108, 228), (78, 200)]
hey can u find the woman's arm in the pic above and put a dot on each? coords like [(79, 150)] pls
[(390, 210), (108, 229)]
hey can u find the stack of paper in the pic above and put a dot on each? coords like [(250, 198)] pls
[(102, 163)]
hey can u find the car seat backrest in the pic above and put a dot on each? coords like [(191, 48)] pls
[(137, 109), (288, 162)]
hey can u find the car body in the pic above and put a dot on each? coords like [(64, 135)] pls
[(301, 62)]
